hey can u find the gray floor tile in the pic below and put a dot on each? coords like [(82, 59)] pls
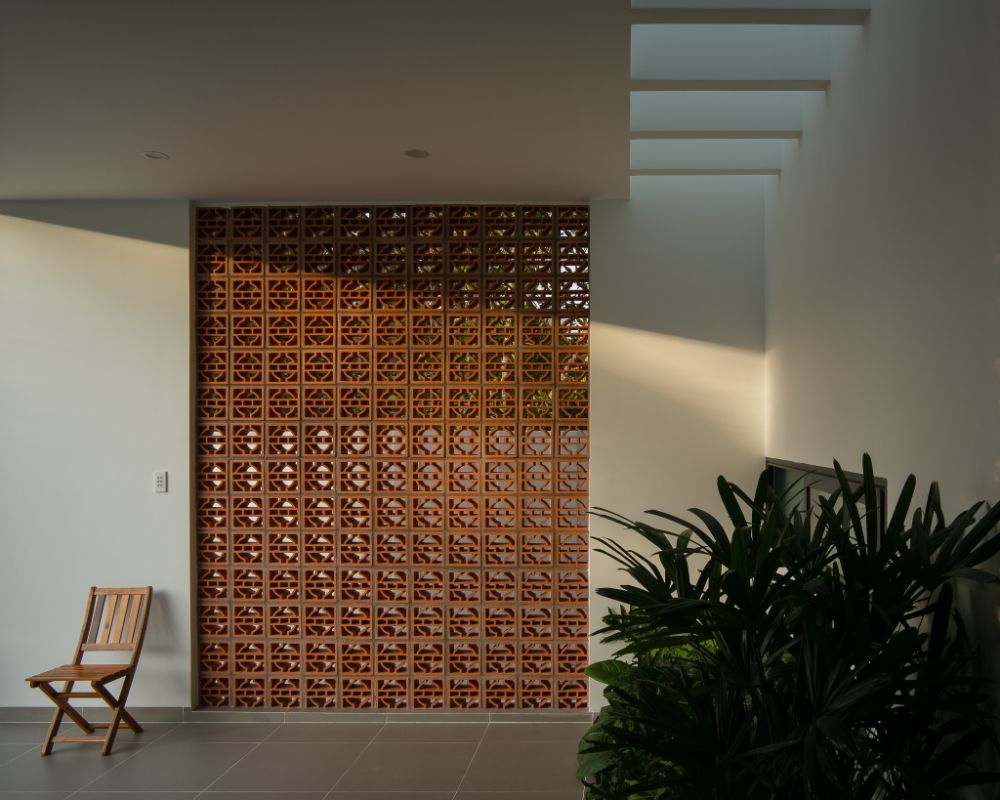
[(173, 766), (17, 732), (523, 766), (438, 716), (221, 732), (124, 746), (536, 731), (135, 796), (100, 713), (69, 767), (242, 716), (326, 732), (356, 715), (431, 732), (96, 713), (574, 794), (26, 713), (288, 795), (30, 734), (126, 742), (151, 732), (402, 766), (407, 795), (541, 716), (8, 752), (291, 766), (300, 761)]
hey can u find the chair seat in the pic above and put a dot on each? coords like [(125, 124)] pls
[(102, 673)]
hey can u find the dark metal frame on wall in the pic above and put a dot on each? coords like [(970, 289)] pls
[(803, 485), (392, 456)]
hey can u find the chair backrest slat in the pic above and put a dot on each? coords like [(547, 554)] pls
[(94, 622), (109, 616), (116, 620), (133, 618), (118, 625)]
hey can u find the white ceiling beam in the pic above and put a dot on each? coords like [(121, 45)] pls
[(729, 86), (638, 135), (713, 171), (750, 16)]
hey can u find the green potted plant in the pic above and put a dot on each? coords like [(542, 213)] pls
[(781, 655)]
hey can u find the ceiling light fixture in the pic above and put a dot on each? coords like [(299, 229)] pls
[(416, 153), (155, 155)]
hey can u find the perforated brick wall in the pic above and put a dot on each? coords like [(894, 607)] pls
[(393, 456)]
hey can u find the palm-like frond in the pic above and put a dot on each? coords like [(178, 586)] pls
[(779, 656)]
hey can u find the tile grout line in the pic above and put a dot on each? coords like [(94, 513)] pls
[(12, 759), (468, 767), (238, 761), (75, 792), (355, 761)]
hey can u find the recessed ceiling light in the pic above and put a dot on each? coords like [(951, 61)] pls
[(156, 155), (416, 153)]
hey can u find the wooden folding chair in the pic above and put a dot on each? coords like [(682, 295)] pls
[(115, 621)]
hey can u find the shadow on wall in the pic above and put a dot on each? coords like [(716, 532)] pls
[(156, 221), (684, 257), (164, 633)]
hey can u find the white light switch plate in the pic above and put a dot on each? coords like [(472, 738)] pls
[(160, 482)]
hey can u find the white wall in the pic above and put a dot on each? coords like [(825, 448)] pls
[(677, 360), (94, 396), (882, 288), (883, 267)]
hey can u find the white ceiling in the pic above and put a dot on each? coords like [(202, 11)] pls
[(751, 3), (272, 100)]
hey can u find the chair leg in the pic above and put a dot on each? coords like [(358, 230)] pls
[(52, 731), (62, 707), (128, 720), (120, 714)]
